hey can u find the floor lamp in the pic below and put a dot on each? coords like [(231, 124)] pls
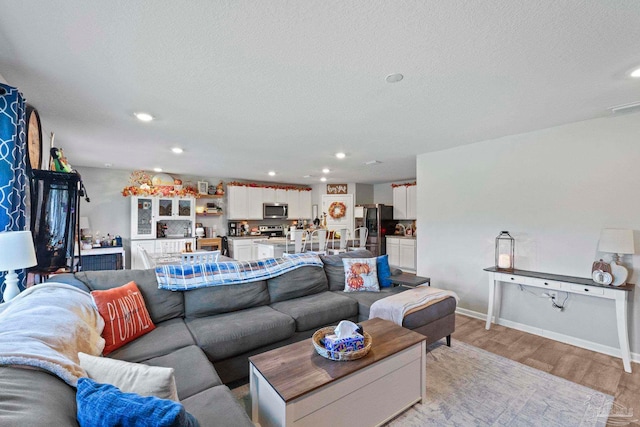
[(16, 253)]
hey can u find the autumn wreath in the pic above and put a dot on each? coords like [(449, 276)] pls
[(337, 210)]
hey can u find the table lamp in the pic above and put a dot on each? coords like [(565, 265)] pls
[(16, 253), (618, 242)]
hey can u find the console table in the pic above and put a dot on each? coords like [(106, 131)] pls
[(570, 284)]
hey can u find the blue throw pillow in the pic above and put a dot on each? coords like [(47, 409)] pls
[(104, 405), (384, 271)]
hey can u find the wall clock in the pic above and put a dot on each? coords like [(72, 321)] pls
[(34, 139)]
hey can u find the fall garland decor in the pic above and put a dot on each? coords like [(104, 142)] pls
[(274, 186), (406, 184), (337, 210)]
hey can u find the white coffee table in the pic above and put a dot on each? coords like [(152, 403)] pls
[(294, 386)]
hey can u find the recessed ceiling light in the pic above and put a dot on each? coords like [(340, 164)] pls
[(635, 73), (177, 150), (272, 173), (323, 179), (144, 117), (325, 170), (107, 165), (373, 162), (157, 169), (308, 176), (341, 155), (394, 78)]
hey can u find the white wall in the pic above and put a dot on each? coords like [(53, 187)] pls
[(383, 193), (2, 80), (554, 190)]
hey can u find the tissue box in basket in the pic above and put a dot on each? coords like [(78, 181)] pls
[(352, 343)]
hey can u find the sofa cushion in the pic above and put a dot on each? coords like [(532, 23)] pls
[(193, 371), (104, 405), (229, 334), (217, 407), (125, 315), (365, 299), (226, 298), (334, 269), (162, 305), (317, 310), (165, 338), (131, 377), (297, 283), (26, 399)]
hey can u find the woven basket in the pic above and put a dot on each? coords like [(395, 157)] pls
[(319, 335)]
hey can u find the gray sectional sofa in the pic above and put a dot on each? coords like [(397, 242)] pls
[(207, 335)]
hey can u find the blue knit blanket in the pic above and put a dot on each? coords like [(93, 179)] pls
[(183, 277)]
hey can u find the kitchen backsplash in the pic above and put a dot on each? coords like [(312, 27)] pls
[(175, 228)]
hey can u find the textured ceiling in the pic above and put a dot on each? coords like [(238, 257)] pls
[(251, 86)]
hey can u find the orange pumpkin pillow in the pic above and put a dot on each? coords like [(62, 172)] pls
[(360, 274), (125, 315)]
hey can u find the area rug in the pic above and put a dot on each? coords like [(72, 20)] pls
[(467, 386)]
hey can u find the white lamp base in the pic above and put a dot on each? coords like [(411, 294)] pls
[(619, 273), (11, 289)]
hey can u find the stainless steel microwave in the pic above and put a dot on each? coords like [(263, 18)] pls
[(275, 210)]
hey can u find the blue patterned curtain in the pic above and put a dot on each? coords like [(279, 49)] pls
[(13, 177)]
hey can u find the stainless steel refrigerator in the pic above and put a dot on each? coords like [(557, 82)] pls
[(379, 221)]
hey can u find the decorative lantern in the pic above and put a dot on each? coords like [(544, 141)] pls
[(505, 248)]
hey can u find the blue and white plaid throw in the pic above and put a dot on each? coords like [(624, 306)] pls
[(183, 277)]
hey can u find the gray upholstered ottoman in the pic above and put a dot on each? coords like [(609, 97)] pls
[(436, 321)]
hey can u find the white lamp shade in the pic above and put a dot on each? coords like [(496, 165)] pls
[(84, 223), (617, 241), (16, 250)]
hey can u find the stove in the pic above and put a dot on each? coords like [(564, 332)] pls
[(271, 230)]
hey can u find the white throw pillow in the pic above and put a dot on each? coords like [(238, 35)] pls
[(130, 377), (360, 274)]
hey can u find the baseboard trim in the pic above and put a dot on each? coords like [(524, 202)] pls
[(567, 339)]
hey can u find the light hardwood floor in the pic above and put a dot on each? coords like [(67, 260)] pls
[(595, 370)]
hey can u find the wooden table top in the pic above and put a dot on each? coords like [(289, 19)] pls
[(297, 369)]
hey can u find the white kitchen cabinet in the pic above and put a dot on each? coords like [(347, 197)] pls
[(254, 203), (292, 201), (142, 217), (304, 204), (147, 211), (265, 251), (412, 199), (236, 202), (408, 254), (393, 250), (175, 208), (244, 202), (299, 204), (272, 195), (269, 195), (402, 253), (242, 249), (400, 202), (281, 196), (404, 202)]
